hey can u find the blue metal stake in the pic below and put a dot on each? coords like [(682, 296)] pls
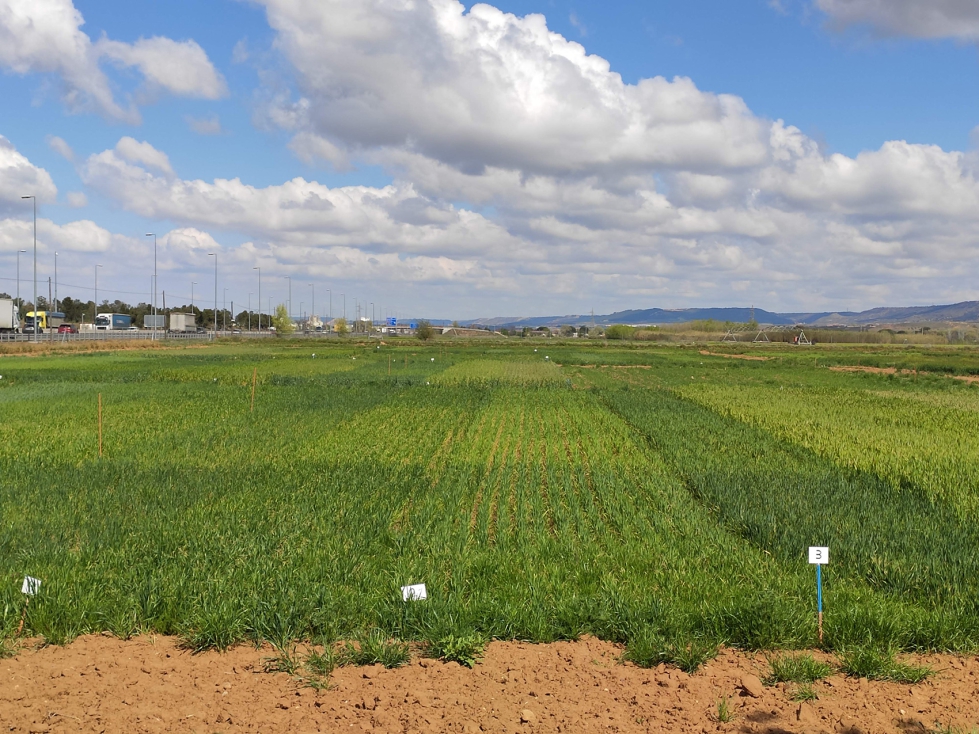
[(819, 598)]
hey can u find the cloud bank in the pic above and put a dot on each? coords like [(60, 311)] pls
[(45, 36)]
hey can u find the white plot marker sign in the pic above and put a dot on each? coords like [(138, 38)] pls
[(414, 592), (31, 586), (819, 555)]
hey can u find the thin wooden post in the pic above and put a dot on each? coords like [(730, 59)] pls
[(254, 380), (100, 425), (23, 616)]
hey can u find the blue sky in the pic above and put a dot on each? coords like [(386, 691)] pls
[(406, 200)]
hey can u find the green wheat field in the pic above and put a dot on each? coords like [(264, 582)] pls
[(656, 496)]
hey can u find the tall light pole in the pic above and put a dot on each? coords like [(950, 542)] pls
[(56, 281), (289, 278), (331, 303), (153, 235), (19, 304), (259, 298), (96, 314), (312, 308), (249, 310), (34, 201), (344, 297), (224, 310), (192, 284), (215, 256)]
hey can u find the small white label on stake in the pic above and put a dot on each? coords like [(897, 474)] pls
[(31, 586), (818, 555), (414, 592)]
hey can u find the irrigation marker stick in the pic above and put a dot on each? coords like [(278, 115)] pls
[(254, 380), (818, 555), (100, 425)]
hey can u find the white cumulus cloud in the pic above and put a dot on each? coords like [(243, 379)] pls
[(19, 177), (46, 37), (134, 151), (180, 67)]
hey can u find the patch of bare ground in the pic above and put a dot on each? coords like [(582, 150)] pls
[(102, 684), (872, 370), (38, 349), (752, 357)]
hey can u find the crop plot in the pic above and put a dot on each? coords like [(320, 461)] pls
[(669, 506)]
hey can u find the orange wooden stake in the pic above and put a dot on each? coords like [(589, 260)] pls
[(100, 425), (23, 616), (254, 380)]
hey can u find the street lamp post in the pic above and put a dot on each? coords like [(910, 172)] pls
[(249, 310), (224, 310), (96, 314), (289, 278), (18, 284), (192, 284), (56, 281), (215, 256), (34, 202), (312, 308), (259, 298), (344, 297), (153, 235)]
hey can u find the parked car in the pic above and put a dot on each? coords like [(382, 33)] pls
[(67, 329)]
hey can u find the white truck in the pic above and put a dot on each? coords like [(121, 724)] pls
[(181, 322), (9, 323)]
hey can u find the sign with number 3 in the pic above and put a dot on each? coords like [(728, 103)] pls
[(818, 555)]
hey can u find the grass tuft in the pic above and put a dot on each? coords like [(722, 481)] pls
[(805, 692), (877, 664), (284, 661), (375, 647), (648, 649), (724, 712), (796, 669)]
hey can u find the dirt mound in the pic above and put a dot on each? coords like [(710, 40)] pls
[(149, 684)]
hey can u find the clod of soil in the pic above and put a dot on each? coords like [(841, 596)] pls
[(149, 684)]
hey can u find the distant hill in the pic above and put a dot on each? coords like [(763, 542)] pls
[(965, 311)]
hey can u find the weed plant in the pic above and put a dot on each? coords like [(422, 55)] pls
[(463, 649)]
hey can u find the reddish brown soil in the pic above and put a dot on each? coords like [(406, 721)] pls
[(101, 684), (872, 370), (752, 357)]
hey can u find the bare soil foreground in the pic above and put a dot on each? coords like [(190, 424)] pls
[(102, 684)]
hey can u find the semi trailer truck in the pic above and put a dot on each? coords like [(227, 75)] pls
[(9, 323), (113, 322)]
